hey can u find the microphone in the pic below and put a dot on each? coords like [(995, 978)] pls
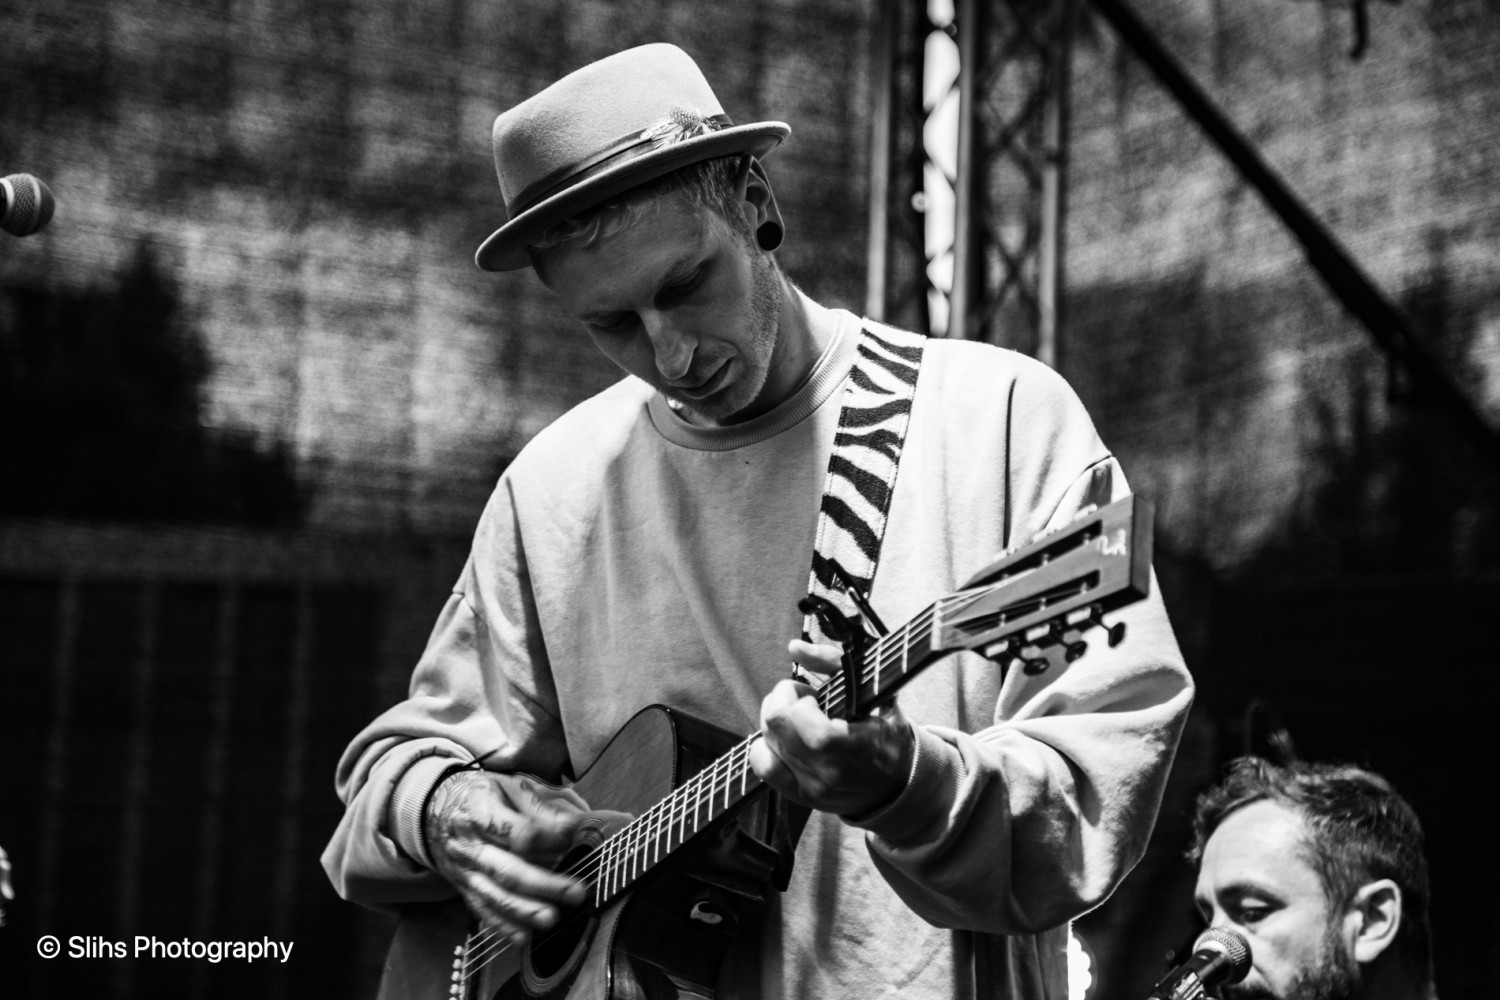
[(1220, 957), (28, 204)]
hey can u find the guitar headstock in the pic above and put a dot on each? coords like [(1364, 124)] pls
[(1061, 582)]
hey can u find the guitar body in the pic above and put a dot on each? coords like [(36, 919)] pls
[(663, 940)]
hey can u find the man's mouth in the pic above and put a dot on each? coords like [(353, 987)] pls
[(704, 388)]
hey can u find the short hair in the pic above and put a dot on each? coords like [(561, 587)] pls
[(1357, 828), (710, 185)]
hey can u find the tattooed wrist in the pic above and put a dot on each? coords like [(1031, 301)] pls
[(445, 805)]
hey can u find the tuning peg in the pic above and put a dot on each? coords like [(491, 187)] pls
[(1115, 632), (1057, 633), (1035, 666)]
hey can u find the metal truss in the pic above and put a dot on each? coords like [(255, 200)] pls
[(967, 187)]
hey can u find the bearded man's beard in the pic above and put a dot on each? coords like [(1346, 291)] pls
[(1333, 976)]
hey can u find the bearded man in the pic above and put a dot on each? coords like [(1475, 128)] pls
[(1322, 868), (651, 546)]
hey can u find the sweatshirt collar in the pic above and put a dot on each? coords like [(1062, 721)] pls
[(827, 374)]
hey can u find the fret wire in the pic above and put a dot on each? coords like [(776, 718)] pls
[(729, 776), (703, 806), (694, 797), (629, 845), (654, 834), (875, 657), (608, 866), (744, 769), (624, 857), (672, 817), (669, 817), (633, 846), (710, 786), (664, 829), (720, 770), (643, 840), (729, 763), (679, 817), (698, 795), (609, 869)]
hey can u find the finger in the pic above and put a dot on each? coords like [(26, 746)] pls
[(775, 773), (517, 899), (533, 795), (519, 877), (781, 698), (793, 725), (807, 743), (514, 918), (544, 837), (799, 728), (818, 658)]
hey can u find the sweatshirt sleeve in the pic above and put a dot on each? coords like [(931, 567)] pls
[(1035, 819), (481, 692)]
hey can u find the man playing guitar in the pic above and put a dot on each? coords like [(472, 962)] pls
[(651, 546)]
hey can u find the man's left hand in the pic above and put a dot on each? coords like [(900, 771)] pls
[(847, 768)]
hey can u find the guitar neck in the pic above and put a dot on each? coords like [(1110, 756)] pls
[(633, 851), (889, 662), (1045, 593)]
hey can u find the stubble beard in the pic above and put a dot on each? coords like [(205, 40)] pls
[(764, 321), (1334, 975)]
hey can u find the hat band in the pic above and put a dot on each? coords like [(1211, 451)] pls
[(622, 150)]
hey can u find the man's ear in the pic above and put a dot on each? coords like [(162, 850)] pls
[(1375, 915), (760, 204)]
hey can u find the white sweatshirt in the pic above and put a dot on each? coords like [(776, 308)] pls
[(628, 558)]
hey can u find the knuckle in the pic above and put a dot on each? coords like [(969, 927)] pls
[(820, 741), (522, 839), (815, 789)]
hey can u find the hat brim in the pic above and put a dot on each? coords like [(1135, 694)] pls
[(505, 250)]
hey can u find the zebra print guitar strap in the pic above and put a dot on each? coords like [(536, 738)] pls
[(862, 468), (856, 498)]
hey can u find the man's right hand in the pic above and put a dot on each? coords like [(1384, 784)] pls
[(495, 838)]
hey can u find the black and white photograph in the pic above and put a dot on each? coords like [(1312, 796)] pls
[(762, 500)]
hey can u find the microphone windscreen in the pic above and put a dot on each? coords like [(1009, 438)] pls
[(29, 205), (1232, 945)]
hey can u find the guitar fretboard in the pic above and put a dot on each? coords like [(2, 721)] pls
[(888, 663)]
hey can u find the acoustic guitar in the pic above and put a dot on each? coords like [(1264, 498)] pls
[(670, 863)]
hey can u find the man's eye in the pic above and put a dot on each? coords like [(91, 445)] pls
[(1250, 914), (609, 323)]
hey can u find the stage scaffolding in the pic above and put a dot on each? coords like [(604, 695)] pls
[(967, 184)]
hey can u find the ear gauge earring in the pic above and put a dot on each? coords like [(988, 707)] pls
[(769, 235)]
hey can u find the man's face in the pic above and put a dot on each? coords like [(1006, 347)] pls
[(1256, 879), (682, 302)]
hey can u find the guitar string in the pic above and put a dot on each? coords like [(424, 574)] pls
[(883, 653), (477, 951)]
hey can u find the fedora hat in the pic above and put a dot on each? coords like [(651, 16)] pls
[(602, 130)]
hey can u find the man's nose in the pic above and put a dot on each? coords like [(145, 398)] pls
[(672, 345)]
